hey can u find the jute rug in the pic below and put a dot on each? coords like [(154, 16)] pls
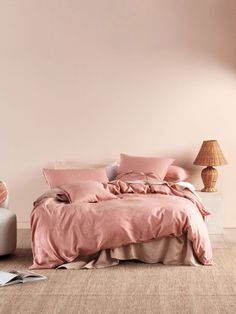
[(128, 288)]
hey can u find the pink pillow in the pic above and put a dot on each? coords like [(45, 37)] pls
[(87, 191), (158, 166), (176, 173), (133, 176), (57, 177)]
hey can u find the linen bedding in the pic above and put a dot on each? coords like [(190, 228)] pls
[(142, 212)]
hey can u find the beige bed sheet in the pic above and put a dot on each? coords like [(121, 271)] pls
[(167, 250)]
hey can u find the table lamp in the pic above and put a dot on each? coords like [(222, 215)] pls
[(210, 155)]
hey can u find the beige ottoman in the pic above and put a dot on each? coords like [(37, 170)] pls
[(7, 231)]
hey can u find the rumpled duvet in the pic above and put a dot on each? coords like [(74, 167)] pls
[(142, 211)]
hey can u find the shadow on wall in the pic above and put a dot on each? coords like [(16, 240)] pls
[(30, 182)]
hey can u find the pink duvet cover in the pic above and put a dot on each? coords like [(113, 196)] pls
[(142, 212)]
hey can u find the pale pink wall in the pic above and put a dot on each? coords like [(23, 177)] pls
[(86, 80)]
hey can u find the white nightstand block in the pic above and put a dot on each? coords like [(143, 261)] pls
[(213, 203)]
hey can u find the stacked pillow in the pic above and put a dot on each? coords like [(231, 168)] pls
[(157, 166), (143, 168), (130, 168), (83, 185), (58, 177), (111, 167)]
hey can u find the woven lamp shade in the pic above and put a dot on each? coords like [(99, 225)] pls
[(210, 154)]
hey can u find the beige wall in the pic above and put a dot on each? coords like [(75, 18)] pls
[(86, 80)]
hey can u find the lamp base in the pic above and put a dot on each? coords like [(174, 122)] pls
[(209, 177), (209, 190)]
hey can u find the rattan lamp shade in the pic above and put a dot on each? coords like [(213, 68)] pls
[(210, 154)]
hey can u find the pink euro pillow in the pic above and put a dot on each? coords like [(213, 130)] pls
[(136, 176), (176, 173), (156, 165), (87, 191), (57, 177)]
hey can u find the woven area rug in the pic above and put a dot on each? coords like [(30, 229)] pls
[(131, 287)]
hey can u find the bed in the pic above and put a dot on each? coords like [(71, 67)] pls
[(88, 223)]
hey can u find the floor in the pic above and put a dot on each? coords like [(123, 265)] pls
[(132, 288)]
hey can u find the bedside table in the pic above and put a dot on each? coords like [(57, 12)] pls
[(213, 203)]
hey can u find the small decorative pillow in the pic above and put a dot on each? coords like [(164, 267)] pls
[(158, 166), (87, 191), (57, 177), (176, 173)]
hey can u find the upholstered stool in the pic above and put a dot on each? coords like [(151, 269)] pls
[(7, 231), (7, 223)]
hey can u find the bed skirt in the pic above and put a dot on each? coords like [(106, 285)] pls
[(167, 250)]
